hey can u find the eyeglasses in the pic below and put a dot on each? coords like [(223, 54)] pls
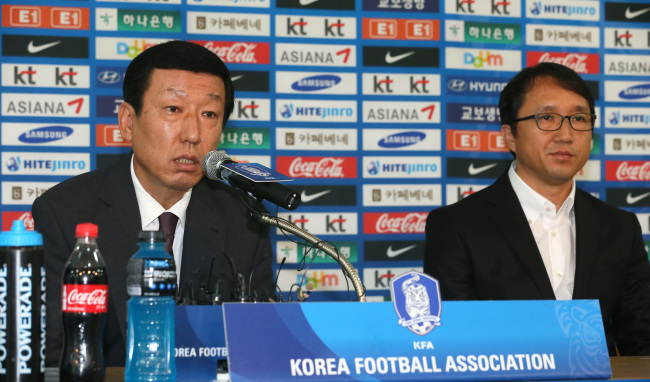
[(553, 121)]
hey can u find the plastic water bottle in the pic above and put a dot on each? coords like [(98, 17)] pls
[(22, 305), (151, 283)]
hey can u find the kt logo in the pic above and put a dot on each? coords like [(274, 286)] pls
[(460, 6), (496, 4), (24, 75), (296, 28), (331, 225), (61, 77), (622, 39), (418, 86), (334, 29), (383, 279), (248, 111), (382, 85), (299, 222)]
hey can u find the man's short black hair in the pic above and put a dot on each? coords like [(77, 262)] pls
[(512, 96), (175, 54)]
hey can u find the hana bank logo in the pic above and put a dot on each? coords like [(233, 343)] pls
[(416, 298)]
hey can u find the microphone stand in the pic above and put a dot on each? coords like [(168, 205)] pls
[(347, 268)]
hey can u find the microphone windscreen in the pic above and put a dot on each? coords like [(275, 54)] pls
[(212, 161)]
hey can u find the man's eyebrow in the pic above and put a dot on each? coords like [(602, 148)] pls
[(181, 93)]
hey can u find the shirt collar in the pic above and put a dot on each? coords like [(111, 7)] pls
[(150, 209), (531, 201)]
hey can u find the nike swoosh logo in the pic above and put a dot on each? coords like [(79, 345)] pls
[(35, 49), (307, 2), (235, 78), (633, 199), (630, 15), (477, 170), (392, 59), (394, 253), (308, 198)]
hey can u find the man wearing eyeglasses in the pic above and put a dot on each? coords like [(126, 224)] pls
[(532, 234)]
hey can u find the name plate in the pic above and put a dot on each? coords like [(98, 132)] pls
[(461, 341), (200, 342)]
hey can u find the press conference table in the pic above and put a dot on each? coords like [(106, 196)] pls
[(623, 368)]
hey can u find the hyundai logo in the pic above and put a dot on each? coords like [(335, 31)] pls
[(109, 77), (457, 85)]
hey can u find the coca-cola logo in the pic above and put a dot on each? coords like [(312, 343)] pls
[(635, 171), (323, 168), (28, 220), (409, 223), (579, 62), (239, 52), (85, 298)]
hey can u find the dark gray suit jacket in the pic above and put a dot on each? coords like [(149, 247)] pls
[(481, 248), (216, 226)]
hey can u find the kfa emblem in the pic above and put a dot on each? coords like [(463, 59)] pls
[(416, 298)]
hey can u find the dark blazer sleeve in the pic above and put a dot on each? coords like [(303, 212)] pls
[(631, 319), (447, 259), (57, 251)]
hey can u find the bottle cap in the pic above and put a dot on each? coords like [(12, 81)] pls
[(19, 236), (152, 236), (86, 229)]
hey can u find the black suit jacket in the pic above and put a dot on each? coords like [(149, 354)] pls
[(482, 248), (216, 226)]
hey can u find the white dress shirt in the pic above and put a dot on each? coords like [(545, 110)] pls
[(554, 232), (150, 209)]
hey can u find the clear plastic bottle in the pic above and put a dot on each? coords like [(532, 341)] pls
[(151, 283), (84, 308)]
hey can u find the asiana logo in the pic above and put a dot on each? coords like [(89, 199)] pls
[(416, 298)]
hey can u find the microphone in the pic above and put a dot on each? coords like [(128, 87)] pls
[(276, 193)]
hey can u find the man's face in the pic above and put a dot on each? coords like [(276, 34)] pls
[(180, 121), (549, 158)]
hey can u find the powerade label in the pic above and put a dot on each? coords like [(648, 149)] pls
[(80, 298), (159, 277)]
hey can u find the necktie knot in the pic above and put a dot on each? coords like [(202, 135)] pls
[(167, 222)]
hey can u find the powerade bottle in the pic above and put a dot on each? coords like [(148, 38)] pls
[(151, 283)]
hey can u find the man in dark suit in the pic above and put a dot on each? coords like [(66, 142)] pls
[(177, 98), (532, 234)]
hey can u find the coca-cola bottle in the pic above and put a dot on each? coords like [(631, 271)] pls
[(84, 306)]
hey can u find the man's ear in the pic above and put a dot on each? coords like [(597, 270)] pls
[(125, 119), (509, 138)]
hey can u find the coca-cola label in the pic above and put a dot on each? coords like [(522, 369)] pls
[(394, 222), (318, 167), (584, 63), (84, 298), (635, 171), (239, 52), (8, 218)]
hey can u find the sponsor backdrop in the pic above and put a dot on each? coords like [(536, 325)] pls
[(380, 109)]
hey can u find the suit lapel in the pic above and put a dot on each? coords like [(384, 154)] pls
[(118, 235), (509, 217), (204, 237), (587, 223)]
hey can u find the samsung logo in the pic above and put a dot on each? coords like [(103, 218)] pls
[(45, 134), (635, 92), (315, 83), (404, 139)]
